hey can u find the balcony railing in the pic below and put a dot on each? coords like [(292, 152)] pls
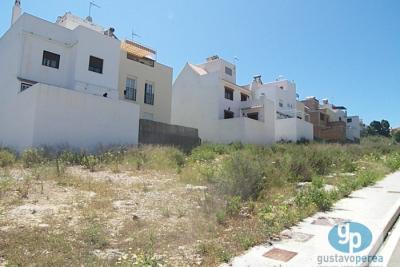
[(291, 113)]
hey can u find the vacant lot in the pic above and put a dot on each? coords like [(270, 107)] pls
[(155, 206)]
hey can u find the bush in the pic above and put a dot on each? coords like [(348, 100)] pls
[(241, 176), (396, 136), (346, 186), (90, 162), (6, 158), (393, 161), (32, 157), (156, 158), (221, 217), (367, 178), (234, 206), (95, 236)]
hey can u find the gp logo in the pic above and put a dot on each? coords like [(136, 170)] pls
[(350, 237)]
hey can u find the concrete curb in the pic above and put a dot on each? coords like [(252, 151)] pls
[(393, 216)]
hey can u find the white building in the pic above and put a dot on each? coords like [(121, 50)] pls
[(59, 85), (290, 124), (353, 130), (207, 97)]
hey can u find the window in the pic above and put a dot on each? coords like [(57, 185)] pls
[(229, 93), (253, 116), (322, 116), (228, 114), (25, 86), (130, 89), (96, 64), (149, 94), (228, 71), (244, 97), (349, 120), (51, 60), (281, 103)]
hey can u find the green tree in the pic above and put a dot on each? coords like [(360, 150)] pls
[(379, 128), (385, 128)]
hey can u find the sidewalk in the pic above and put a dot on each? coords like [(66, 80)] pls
[(307, 245)]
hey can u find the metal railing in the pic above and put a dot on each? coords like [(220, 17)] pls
[(130, 93), (149, 99)]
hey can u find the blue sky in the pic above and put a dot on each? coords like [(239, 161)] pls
[(344, 50)]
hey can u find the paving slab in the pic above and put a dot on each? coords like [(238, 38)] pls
[(376, 207)]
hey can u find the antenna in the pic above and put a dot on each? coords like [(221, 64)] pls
[(134, 34), (91, 4)]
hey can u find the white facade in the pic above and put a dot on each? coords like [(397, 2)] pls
[(204, 95), (54, 108), (353, 130), (290, 124)]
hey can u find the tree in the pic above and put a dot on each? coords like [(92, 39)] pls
[(385, 128), (379, 128)]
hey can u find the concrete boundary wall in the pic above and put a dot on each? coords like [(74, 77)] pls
[(157, 133)]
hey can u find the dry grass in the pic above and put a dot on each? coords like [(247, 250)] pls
[(159, 205)]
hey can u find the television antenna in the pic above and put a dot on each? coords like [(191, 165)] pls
[(92, 4), (134, 34)]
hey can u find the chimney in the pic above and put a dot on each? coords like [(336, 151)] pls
[(257, 82), (257, 79), (325, 101), (16, 12)]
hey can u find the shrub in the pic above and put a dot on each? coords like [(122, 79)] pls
[(90, 162), (320, 161), (32, 157), (367, 178), (6, 158), (321, 198), (95, 236), (204, 153), (221, 217), (278, 217), (157, 158), (396, 136), (393, 161), (241, 175), (233, 206), (346, 186)]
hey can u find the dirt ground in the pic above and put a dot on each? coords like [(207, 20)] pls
[(124, 213)]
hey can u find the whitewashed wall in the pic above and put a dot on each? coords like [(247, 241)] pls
[(353, 130), (293, 129), (51, 115), (59, 116)]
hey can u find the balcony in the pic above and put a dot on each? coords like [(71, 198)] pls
[(290, 113), (139, 50)]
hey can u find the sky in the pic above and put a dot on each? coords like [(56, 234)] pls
[(345, 50)]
